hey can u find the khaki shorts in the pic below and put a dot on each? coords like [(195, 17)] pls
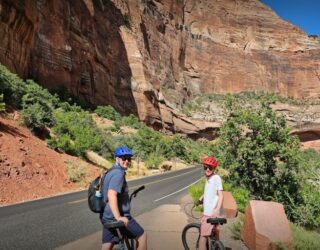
[(206, 228)]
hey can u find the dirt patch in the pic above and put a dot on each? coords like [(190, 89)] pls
[(29, 169)]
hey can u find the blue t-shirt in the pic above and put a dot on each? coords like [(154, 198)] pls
[(115, 179)]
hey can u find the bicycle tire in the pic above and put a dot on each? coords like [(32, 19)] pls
[(191, 236), (217, 245)]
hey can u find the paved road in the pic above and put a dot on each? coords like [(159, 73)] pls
[(53, 222)]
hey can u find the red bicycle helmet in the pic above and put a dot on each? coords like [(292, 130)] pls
[(211, 161)]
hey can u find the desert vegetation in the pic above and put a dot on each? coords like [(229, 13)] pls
[(264, 162), (72, 129), (258, 157)]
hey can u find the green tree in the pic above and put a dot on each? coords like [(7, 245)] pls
[(260, 155), (12, 87), (75, 132), (38, 106), (108, 112), (154, 160)]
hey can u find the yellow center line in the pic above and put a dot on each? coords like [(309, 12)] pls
[(134, 187)]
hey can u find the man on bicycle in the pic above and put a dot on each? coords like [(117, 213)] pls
[(211, 199), (116, 191)]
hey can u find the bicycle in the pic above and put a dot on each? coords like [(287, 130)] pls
[(125, 243), (191, 235)]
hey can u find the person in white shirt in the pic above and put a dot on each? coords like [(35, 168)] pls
[(211, 199)]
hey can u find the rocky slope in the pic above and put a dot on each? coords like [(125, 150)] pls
[(147, 57), (30, 170)]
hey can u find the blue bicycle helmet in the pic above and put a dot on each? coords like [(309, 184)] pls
[(122, 151)]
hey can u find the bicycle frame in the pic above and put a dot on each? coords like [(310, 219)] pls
[(212, 242)]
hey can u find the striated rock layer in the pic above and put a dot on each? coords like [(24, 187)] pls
[(147, 57)]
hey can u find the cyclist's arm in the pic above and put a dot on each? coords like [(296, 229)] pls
[(113, 203), (219, 204)]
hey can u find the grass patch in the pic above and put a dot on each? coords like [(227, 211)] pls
[(304, 239), (196, 191), (236, 227)]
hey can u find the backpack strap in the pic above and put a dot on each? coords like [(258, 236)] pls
[(103, 177), (101, 185)]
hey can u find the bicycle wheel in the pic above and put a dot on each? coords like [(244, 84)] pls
[(217, 245), (190, 236)]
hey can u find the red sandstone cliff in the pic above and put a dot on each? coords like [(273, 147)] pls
[(149, 56)]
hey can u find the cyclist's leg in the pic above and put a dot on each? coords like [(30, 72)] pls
[(109, 238), (107, 246), (142, 242), (205, 232), (203, 242), (134, 230)]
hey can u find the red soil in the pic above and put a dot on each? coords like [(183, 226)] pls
[(29, 169)]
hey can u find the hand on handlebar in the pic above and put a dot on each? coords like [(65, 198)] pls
[(124, 220)]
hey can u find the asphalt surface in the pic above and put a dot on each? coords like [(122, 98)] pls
[(56, 221)]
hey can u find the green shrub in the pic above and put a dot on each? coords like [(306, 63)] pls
[(260, 155), (76, 132), (153, 161), (309, 163), (196, 191), (307, 213), (77, 173), (38, 106), (108, 112), (12, 87), (131, 121), (145, 141), (236, 227), (303, 239), (241, 195)]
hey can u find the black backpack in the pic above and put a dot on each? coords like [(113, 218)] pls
[(97, 203)]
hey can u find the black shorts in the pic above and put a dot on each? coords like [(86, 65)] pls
[(132, 231)]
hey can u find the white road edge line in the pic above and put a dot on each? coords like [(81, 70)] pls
[(177, 191)]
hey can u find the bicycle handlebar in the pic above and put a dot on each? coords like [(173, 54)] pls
[(135, 192)]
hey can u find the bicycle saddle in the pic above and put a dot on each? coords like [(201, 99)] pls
[(113, 224), (216, 221)]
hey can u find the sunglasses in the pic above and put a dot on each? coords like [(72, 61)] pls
[(207, 167), (126, 158)]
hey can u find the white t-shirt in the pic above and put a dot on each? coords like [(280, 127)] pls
[(210, 197)]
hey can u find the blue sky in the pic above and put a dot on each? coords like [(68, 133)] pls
[(302, 13)]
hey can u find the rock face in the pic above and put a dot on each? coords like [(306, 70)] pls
[(265, 223), (147, 57), (305, 121)]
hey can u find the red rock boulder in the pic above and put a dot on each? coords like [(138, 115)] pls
[(229, 205), (265, 223)]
